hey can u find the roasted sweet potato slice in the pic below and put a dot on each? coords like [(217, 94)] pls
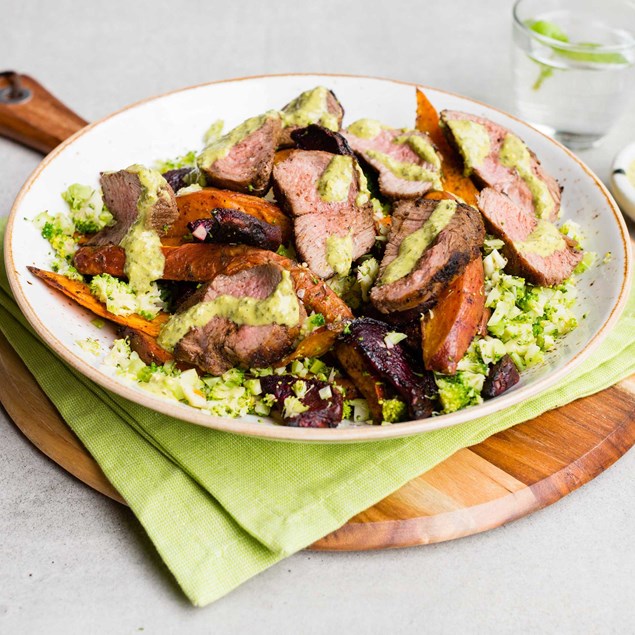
[(145, 346), (452, 177), (201, 262), (315, 344), (451, 326), (80, 293), (199, 205), (281, 155)]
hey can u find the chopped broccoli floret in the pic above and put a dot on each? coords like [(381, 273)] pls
[(458, 391), (314, 321), (120, 299), (187, 160), (393, 410), (87, 209), (90, 345)]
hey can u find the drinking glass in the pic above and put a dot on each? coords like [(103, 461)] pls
[(573, 66)]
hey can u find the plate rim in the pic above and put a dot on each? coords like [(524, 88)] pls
[(286, 433)]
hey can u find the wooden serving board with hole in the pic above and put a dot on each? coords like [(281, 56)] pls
[(509, 475)]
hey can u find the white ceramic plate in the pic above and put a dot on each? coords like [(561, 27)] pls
[(172, 124)]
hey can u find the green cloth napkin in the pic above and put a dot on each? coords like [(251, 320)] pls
[(221, 507)]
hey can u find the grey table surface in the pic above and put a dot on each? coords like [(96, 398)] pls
[(73, 561)]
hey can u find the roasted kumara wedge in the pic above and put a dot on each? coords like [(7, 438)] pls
[(145, 346), (201, 262), (452, 177), (450, 327), (80, 293), (317, 343)]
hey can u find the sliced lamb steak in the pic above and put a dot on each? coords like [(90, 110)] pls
[(534, 248), (242, 159), (451, 233), (122, 192), (221, 344), (346, 217), (497, 158), (406, 161), (318, 105)]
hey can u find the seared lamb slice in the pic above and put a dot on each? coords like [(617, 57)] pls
[(333, 220), (233, 226), (315, 137), (323, 411), (534, 247), (429, 245), (499, 159), (318, 105), (214, 343), (123, 191), (242, 159), (390, 363), (406, 161)]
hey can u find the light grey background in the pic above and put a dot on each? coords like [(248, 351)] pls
[(72, 561)]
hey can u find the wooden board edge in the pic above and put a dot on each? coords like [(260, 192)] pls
[(55, 440), (479, 518)]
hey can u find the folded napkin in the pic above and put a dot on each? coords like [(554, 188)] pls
[(221, 507)]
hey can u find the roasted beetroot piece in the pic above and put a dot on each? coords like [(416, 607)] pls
[(534, 247), (242, 159), (122, 192), (406, 161), (221, 344), (497, 158), (318, 105), (332, 216), (429, 245), (502, 376), (315, 137), (393, 364), (323, 412), (181, 177), (231, 226)]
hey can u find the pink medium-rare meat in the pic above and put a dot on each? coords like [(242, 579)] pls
[(456, 235), (122, 191), (242, 159), (406, 161), (221, 344), (499, 159), (535, 249), (346, 217)]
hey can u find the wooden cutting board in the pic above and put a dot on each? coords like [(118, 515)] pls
[(509, 475)]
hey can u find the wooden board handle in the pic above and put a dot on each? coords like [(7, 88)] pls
[(30, 115)]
